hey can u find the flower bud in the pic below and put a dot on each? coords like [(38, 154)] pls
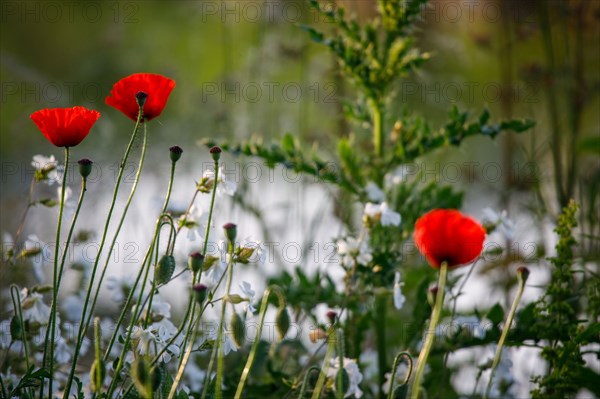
[(145, 377), (85, 167), (175, 153), (165, 269), (236, 324), (332, 316), (196, 262), (200, 293), (230, 232), (216, 153), (523, 274), (141, 98), (317, 335), (97, 375), (282, 321)]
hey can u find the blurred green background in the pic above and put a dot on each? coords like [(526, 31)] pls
[(245, 69)]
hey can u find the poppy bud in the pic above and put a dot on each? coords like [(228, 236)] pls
[(236, 324), (230, 232), (85, 167), (141, 98), (317, 335), (332, 316), (196, 262), (200, 292), (216, 153), (282, 321), (175, 153), (97, 375), (164, 270), (523, 273)]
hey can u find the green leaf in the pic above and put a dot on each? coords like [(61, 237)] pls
[(496, 314)]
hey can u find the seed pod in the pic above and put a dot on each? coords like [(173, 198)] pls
[(16, 328), (230, 232), (140, 374), (523, 273), (282, 321), (165, 269), (345, 381), (236, 324), (85, 167), (175, 153)]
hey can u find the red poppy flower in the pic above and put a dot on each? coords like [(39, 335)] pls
[(446, 235), (65, 127), (156, 87)]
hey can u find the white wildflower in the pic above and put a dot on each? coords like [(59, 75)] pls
[(383, 214), (249, 294), (226, 186), (354, 376), (352, 248), (38, 252), (399, 299), (47, 169), (195, 221), (34, 308), (492, 219), (120, 286), (374, 193)]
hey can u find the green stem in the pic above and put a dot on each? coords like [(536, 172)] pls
[(394, 369), (509, 320), (83, 326), (136, 314), (50, 329), (191, 308), (164, 208), (186, 358), (252, 355), (339, 391), (305, 381), (382, 349), (55, 276), (121, 222), (430, 333), (377, 120), (218, 387), (323, 375)]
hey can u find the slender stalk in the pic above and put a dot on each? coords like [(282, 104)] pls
[(430, 333), (121, 222), (382, 349), (55, 275), (30, 203), (394, 369), (50, 329), (191, 308), (220, 356), (507, 324), (252, 355), (305, 381), (339, 390), (82, 326), (164, 208), (186, 358), (323, 375), (377, 116)]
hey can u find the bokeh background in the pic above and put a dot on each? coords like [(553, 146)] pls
[(246, 70)]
